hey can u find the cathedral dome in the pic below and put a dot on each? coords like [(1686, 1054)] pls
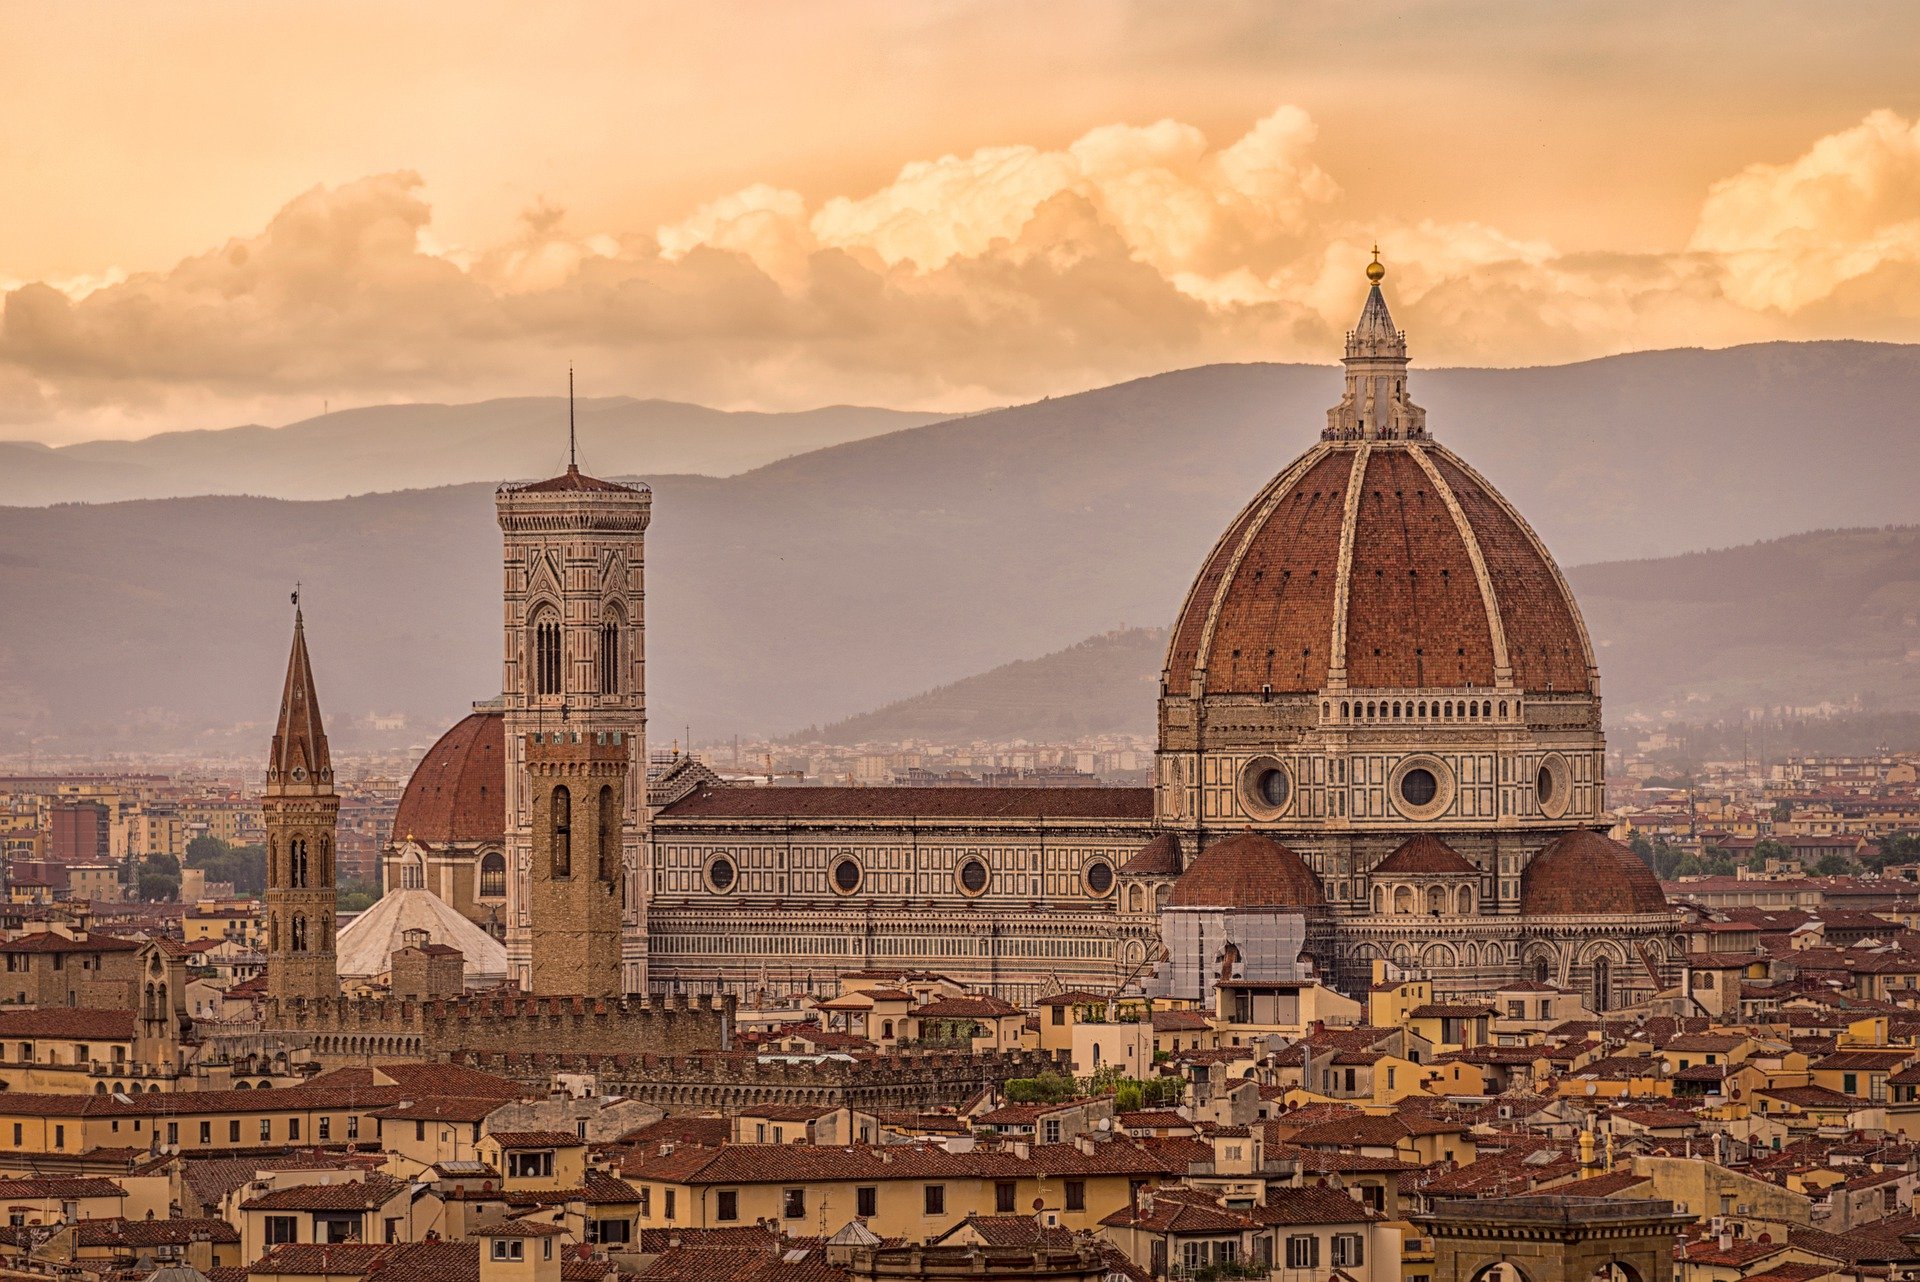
[(1583, 874), (1378, 560), (458, 792), (1247, 870), (1396, 568)]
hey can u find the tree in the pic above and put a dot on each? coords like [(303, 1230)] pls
[(355, 897), (1833, 866), (1769, 848), (243, 867), (158, 879), (1047, 1088)]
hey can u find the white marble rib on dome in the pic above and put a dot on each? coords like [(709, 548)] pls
[(365, 948)]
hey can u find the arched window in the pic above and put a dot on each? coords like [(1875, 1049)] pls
[(1137, 899), (273, 944), (560, 822), (609, 835), (1436, 900), (886, 1028), (412, 876), (299, 934), (610, 635), (1602, 984), (493, 875), (1403, 899), (1380, 901), (326, 861), (297, 863), (1466, 901), (1540, 970), (546, 652)]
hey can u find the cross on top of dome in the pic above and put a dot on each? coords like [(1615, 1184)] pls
[(1375, 406)]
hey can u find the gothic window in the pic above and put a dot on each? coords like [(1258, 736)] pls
[(546, 652), (1602, 984), (326, 861), (297, 863), (610, 632), (1540, 970), (493, 875), (560, 819), (609, 835), (273, 940), (299, 934)]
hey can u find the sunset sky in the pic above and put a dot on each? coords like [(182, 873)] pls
[(220, 213)]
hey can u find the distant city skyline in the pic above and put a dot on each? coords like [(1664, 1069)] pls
[(222, 214)]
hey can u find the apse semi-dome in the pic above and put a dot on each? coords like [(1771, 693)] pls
[(1584, 874), (1247, 871), (458, 791)]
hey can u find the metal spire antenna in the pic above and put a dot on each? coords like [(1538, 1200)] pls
[(573, 458)]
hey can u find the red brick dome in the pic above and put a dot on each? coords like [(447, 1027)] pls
[(1247, 870), (1443, 584), (458, 792), (1583, 874)]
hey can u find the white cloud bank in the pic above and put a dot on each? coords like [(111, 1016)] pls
[(1006, 274)]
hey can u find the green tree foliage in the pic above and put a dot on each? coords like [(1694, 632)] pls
[(158, 879), (356, 897), (245, 867), (1834, 866), (1047, 1088), (1768, 848)]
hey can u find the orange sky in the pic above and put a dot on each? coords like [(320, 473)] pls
[(216, 213)]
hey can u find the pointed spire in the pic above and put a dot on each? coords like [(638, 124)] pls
[(300, 757), (573, 452), (1375, 406)]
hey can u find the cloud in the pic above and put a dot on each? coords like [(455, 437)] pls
[(1008, 273), (1789, 235)]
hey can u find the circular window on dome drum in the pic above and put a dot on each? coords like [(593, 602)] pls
[(1421, 787), (846, 876), (1099, 877), (972, 876), (1266, 789), (721, 874), (1553, 785)]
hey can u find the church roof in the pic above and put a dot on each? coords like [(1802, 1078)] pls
[(1247, 870), (299, 739), (1585, 874), (1424, 855), (742, 801), (1158, 858), (458, 792), (365, 948)]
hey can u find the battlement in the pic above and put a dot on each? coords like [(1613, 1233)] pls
[(576, 748), (731, 1079), (362, 1029)]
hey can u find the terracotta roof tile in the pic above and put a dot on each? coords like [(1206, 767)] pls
[(1247, 870), (1129, 805)]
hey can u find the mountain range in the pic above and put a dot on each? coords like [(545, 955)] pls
[(405, 447), (841, 579)]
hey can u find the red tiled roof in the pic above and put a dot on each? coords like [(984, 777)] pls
[(1247, 870), (47, 941), (94, 1025), (574, 480), (739, 802), (1582, 873), (350, 1195), (1158, 858), (1424, 855)]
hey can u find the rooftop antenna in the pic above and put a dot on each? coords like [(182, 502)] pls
[(573, 460)]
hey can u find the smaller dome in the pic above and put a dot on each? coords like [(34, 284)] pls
[(1425, 856), (1247, 870), (1583, 874), (1158, 858), (458, 792)]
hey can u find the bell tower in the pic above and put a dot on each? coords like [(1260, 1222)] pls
[(574, 667), (300, 809), (578, 784)]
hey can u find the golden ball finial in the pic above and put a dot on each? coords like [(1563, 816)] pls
[(1375, 270)]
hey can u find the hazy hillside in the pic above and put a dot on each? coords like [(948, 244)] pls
[(1103, 685), (841, 580), (406, 447), (1795, 622)]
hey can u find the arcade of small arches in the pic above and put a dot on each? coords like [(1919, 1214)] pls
[(393, 1045), (1379, 710), (1563, 961)]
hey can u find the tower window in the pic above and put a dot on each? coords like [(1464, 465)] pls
[(609, 835), (297, 863), (561, 821), (610, 656), (546, 653)]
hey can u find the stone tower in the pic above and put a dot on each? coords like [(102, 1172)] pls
[(574, 664), (300, 810), (578, 781)]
